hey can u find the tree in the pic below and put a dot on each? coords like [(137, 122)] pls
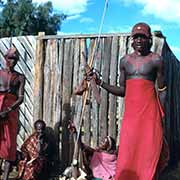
[(23, 17)]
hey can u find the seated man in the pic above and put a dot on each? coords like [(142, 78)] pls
[(99, 162), (35, 153)]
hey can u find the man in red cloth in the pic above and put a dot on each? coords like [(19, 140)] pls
[(11, 96), (141, 138)]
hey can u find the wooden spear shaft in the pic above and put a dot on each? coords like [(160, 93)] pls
[(85, 96)]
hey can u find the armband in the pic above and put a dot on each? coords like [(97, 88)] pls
[(162, 89)]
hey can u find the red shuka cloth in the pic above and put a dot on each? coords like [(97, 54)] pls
[(28, 170), (141, 135), (8, 128)]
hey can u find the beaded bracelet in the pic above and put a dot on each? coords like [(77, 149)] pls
[(162, 89)]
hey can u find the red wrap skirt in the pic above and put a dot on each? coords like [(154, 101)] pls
[(8, 128), (141, 134)]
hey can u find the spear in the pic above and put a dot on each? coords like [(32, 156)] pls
[(88, 67)]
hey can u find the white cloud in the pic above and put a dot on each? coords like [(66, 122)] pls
[(72, 17), (86, 20), (119, 29), (127, 28), (69, 7), (168, 10), (155, 27)]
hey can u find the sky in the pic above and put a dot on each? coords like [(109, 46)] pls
[(84, 17)]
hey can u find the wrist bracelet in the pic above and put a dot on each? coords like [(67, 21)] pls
[(162, 89)]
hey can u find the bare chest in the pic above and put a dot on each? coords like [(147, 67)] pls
[(8, 81), (139, 66)]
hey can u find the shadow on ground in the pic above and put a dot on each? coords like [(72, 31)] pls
[(168, 174)]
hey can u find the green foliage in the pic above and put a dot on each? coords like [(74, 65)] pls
[(22, 17)]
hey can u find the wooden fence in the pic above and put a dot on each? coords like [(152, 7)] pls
[(51, 78), (172, 110), (59, 70)]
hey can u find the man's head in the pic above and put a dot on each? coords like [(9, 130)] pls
[(40, 126), (141, 28), (142, 38), (11, 57)]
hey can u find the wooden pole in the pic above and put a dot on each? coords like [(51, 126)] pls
[(39, 78)]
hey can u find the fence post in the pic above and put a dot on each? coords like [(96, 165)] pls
[(39, 78)]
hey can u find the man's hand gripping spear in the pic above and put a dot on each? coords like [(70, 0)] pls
[(92, 76)]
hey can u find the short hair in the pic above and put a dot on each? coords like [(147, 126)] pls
[(141, 28), (12, 53), (40, 121)]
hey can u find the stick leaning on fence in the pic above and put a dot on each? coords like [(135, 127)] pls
[(88, 68), (92, 82)]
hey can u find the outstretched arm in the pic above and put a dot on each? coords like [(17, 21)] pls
[(117, 90), (73, 131)]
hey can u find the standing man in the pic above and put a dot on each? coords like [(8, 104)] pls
[(141, 138), (11, 96)]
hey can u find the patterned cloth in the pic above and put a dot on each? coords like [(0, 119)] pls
[(34, 166), (8, 128)]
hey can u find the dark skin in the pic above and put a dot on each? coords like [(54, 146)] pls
[(11, 82), (88, 151), (104, 143), (41, 148), (40, 130), (143, 64)]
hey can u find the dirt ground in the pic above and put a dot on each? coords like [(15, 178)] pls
[(168, 174)]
